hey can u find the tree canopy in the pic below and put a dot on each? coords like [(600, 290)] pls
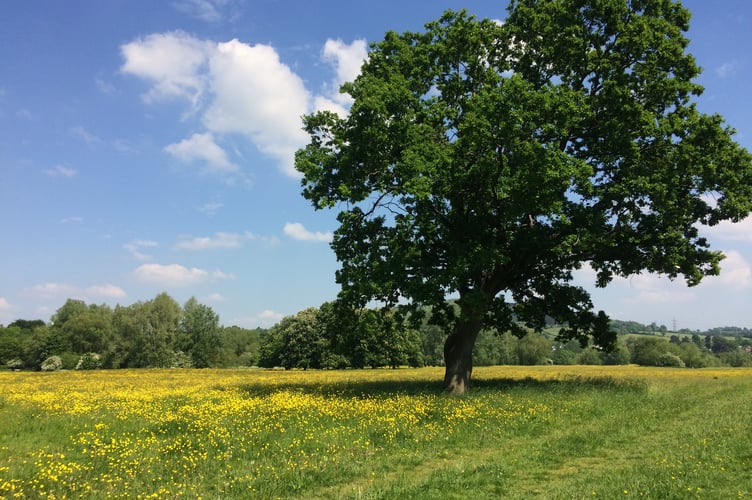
[(488, 161)]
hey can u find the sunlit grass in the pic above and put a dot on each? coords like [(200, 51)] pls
[(522, 431)]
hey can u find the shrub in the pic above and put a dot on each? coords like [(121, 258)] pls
[(589, 357), (15, 364), (670, 359), (180, 359), (69, 359), (89, 361), (247, 358), (52, 364)]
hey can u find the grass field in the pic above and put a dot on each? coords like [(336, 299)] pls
[(522, 432)]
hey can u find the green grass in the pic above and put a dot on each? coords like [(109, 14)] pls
[(522, 432)]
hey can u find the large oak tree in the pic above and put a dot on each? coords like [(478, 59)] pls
[(488, 161)]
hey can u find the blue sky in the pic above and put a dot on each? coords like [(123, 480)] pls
[(147, 147)]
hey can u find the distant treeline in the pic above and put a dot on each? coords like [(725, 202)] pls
[(162, 333), (624, 327)]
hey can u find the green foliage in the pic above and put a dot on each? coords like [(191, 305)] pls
[(492, 160), (10, 344), (199, 333), (329, 337), (89, 361), (670, 359), (181, 359), (240, 347), (589, 356)]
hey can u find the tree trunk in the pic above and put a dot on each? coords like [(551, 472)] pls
[(458, 356)]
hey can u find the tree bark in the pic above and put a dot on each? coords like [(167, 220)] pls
[(458, 356)]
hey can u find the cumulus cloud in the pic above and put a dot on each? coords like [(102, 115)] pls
[(61, 290), (176, 275), (170, 275), (297, 231), (108, 291), (730, 231), (258, 96), (202, 148), (346, 60), (654, 289), (735, 272), (265, 319), (221, 240), (4, 304), (50, 290), (239, 88), (172, 62), (643, 288)]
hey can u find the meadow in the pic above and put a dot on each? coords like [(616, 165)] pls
[(521, 432)]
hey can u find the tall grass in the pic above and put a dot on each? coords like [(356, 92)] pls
[(522, 432)]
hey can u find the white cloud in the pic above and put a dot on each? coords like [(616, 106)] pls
[(726, 70), (170, 275), (726, 230), (210, 208), (222, 240), (258, 96), (264, 319), (220, 275), (50, 290), (643, 288), (60, 171), (298, 231), (85, 136), (270, 317), (135, 246), (652, 289), (4, 304), (201, 147), (347, 60), (172, 62), (177, 275), (321, 103), (215, 297), (107, 291), (62, 290), (735, 272), (240, 89)]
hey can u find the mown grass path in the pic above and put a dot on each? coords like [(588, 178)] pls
[(522, 432)]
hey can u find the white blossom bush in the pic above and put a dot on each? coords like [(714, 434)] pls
[(89, 361), (14, 364), (52, 364)]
